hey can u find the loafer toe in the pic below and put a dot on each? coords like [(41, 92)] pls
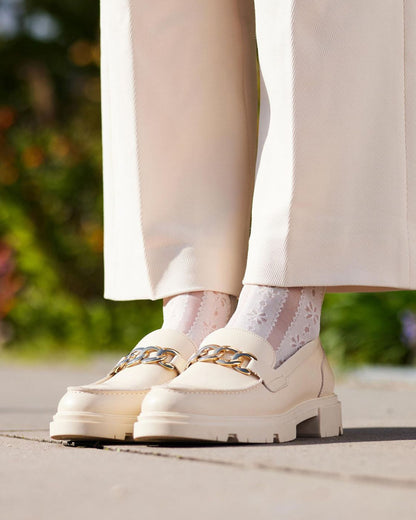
[(108, 408)]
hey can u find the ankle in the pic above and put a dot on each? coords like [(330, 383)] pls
[(288, 317), (198, 313)]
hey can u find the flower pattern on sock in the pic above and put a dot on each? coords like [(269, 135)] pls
[(257, 309), (287, 317), (198, 313)]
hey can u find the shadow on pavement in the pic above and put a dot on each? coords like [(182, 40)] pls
[(372, 434)]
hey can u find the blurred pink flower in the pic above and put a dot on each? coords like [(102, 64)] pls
[(10, 282)]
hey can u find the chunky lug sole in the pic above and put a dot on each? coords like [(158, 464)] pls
[(84, 425), (319, 417)]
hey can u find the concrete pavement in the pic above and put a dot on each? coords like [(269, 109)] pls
[(368, 473)]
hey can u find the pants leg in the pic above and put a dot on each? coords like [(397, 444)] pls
[(179, 108), (335, 195)]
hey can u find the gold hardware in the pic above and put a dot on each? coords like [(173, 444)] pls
[(147, 355), (225, 356)]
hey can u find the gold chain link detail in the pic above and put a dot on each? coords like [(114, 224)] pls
[(147, 355), (225, 356)]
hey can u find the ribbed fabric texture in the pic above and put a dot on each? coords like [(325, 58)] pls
[(334, 201)]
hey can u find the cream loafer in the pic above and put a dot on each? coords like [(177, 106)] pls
[(108, 408), (231, 392)]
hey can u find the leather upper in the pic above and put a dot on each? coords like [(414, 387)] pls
[(123, 392), (210, 388)]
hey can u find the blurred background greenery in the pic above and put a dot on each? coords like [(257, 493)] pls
[(51, 270)]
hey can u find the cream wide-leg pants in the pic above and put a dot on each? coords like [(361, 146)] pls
[(334, 200)]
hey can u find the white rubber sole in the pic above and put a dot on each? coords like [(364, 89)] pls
[(320, 417), (89, 426)]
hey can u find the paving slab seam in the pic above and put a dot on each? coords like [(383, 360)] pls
[(20, 437), (23, 430), (368, 479)]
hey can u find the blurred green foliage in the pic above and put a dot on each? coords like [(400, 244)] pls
[(378, 327), (51, 270)]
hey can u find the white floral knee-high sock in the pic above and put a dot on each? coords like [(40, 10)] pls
[(197, 314), (288, 317)]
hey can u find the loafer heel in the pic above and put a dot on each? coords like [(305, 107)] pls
[(327, 423)]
